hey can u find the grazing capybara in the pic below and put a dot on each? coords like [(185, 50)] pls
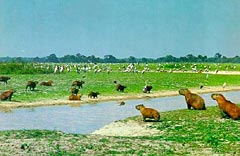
[(147, 89), (193, 100), (4, 79), (93, 95), (148, 112), (48, 83), (31, 85), (74, 91), (7, 95), (78, 83), (227, 107), (75, 97)]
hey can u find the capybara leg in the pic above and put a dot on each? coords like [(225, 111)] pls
[(224, 115), (188, 106)]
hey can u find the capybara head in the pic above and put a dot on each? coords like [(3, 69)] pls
[(139, 107), (216, 96), (183, 91)]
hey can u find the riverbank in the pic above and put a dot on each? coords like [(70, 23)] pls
[(119, 97), (181, 132)]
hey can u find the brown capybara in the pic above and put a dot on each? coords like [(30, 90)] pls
[(93, 94), (7, 95), (75, 97), (74, 91), (193, 100), (78, 83), (48, 83), (147, 89), (227, 107), (148, 112), (31, 85), (4, 79)]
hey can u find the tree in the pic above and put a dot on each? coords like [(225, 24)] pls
[(52, 58)]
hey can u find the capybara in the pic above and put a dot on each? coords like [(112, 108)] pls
[(7, 95), (4, 79), (48, 83), (78, 83), (193, 100), (148, 112), (147, 89), (119, 87), (74, 91), (75, 97), (31, 85), (227, 107), (93, 94)]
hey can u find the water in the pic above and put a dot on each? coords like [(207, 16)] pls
[(89, 117)]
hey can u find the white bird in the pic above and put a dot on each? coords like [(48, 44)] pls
[(224, 85)]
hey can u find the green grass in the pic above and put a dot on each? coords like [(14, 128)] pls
[(182, 132), (103, 83)]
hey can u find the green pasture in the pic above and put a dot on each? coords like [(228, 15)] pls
[(103, 83)]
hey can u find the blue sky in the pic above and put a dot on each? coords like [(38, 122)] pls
[(122, 28)]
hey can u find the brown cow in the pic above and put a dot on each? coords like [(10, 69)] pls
[(227, 107), (4, 79), (31, 85), (48, 83), (7, 95), (193, 100), (78, 83)]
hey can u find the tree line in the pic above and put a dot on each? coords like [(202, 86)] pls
[(79, 58)]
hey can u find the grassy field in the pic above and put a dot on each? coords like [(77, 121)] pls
[(103, 83), (183, 132)]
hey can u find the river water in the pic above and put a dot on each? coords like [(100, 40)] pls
[(89, 117)]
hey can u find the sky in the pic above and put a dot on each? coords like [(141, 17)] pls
[(122, 28)]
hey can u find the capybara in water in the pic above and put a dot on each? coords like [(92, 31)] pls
[(227, 107), (78, 83), (4, 79), (75, 97), (31, 85), (7, 95), (74, 91), (147, 89), (148, 112), (193, 100), (48, 83), (93, 94)]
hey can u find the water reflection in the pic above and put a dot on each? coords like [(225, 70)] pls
[(86, 118)]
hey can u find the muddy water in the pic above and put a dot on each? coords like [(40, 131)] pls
[(90, 117)]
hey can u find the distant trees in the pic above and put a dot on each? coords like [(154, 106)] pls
[(78, 58)]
